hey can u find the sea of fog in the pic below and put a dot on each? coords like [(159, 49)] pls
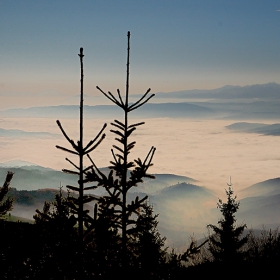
[(201, 149)]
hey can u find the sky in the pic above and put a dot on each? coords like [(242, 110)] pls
[(175, 45)]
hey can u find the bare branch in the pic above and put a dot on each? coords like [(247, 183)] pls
[(67, 150), (72, 163), (133, 108), (109, 97), (120, 97), (72, 188), (137, 102), (113, 97), (94, 147), (136, 124), (66, 136), (118, 126), (92, 141), (120, 123), (70, 171)]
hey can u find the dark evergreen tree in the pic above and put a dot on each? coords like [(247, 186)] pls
[(226, 241), (149, 249), (58, 244), (6, 203), (264, 247), (57, 212)]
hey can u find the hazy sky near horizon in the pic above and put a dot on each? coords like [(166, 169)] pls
[(175, 45)]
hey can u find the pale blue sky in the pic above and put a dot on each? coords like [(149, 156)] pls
[(175, 45)]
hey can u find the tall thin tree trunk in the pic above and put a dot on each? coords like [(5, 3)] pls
[(81, 154)]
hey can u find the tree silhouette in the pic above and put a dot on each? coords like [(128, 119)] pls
[(77, 204), (149, 243), (225, 243), (6, 205), (58, 241), (57, 212), (127, 174)]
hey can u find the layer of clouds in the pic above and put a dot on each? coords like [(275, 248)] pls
[(204, 150)]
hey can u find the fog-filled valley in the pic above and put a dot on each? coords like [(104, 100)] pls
[(200, 144)]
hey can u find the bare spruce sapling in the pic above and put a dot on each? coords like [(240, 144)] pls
[(80, 150), (125, 173)]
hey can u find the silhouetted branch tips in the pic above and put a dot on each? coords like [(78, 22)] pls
[(137, 102), (120, 98), (97, 169), (70, 172), (97, 136), (120, 123), (72, 163), (136, 124), (72, 188), (118, 133), (134, 106), (109, 96), (87, 168), (67, 150), (112, 151), (151, 154), (66, 136), (96, 145), (114, 98)]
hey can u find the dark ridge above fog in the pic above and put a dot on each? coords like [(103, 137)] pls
[(21, 133), (258, 91), (152, 110), (252, 102), (260, 128)]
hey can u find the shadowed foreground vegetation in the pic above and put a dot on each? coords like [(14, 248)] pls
[(49, 249)]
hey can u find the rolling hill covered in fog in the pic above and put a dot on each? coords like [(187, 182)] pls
[(184, 207)]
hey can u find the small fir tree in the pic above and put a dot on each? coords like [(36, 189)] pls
[(225, 244), (150, 249)]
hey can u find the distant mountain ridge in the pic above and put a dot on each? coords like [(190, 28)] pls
[(260, 128), (22, 133), (228, 102), (151, 110), (258, 91)]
